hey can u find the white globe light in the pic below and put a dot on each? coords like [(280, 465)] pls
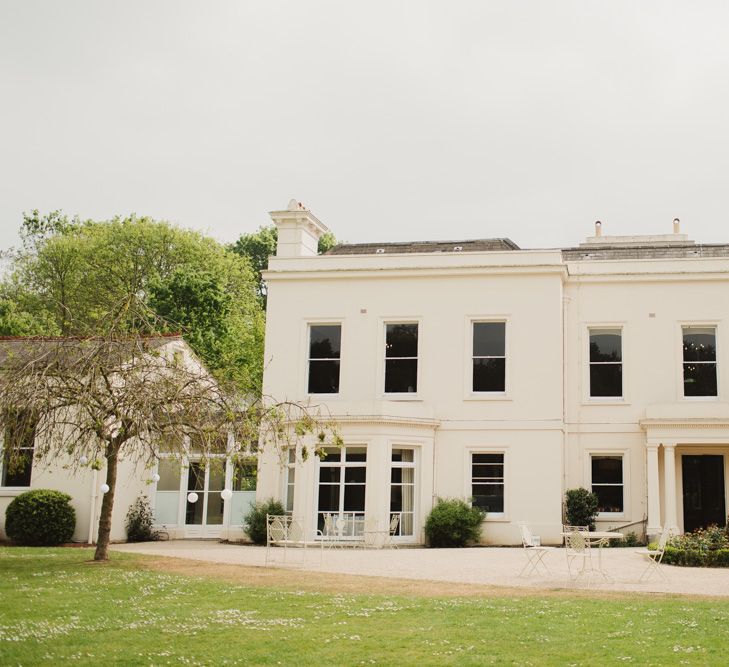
[(104, 488), (192, 497), (83, 460), (226, 494), (155, 477)]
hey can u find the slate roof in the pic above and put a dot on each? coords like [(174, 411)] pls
[(411, 247), (689, 251)]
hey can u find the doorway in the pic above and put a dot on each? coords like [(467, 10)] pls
[(703, 491), (204, 517)]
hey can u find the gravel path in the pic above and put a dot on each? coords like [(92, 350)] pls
[(488, 566)]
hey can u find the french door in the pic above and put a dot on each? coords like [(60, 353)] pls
[(204, 517)]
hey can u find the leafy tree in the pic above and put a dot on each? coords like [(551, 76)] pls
[(259, 246), (71, 276)]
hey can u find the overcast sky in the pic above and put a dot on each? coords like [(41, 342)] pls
[(389, 120)]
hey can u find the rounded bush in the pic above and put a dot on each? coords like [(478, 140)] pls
[(580, 507), (41, 517), (140, 520), (255, 520), (453, 523)]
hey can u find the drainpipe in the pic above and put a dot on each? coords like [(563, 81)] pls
[(92, 509)]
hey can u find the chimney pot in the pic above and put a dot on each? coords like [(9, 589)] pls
[(676, 225), (598, 228)]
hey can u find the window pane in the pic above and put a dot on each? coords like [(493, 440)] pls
[(354, 498), (488, 472), (699, 379), (328, 498), (605, 345), (699, 344), (402, 340), (323, 377), (396, 476), (329, 475), (18, 472), (489, 375), (333, 454), (395, 498), (606, 380), (610, 498), (216, 479), (169, 475), (489, 339), (245, 477), (215, 509), (356, 475), (488, 458), (404, 455), (194, 511), (195, 478), (489, 497), (324, 341), (607, 469), (356, 454), (401, 375)]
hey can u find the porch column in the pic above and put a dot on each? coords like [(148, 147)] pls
[(654, 507), (669, 479)]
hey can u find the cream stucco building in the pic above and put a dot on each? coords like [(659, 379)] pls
[(480, 370)]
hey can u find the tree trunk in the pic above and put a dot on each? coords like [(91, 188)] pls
[(102, 543)]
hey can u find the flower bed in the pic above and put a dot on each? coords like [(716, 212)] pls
[(708, 547)]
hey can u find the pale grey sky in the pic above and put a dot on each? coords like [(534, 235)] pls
[(390, 120)]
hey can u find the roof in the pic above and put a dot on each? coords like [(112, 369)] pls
[(688, 251), (411, 247)]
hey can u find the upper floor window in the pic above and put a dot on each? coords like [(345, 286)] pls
[(17, 460), (699, 361), (324, 354), (607, 482), (489, 357), (606, 363), (401, 358)]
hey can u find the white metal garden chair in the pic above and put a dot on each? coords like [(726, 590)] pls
[(577, 549), (655, 556), (535, 553)]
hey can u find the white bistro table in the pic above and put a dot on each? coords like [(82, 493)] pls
[(600, 538)]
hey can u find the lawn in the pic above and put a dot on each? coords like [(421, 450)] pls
[(57, 607)]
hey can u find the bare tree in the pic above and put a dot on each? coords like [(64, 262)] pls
[(122, 396)]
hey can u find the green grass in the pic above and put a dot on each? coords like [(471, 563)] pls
[(56, 608)]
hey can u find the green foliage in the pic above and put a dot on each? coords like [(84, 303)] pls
[(139, 521), (76, 277), (41, 517), (453, 523), (260, 245), (255, 520), (581, 507)]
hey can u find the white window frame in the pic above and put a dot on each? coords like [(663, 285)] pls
[(469, 393), (587, 476), (287, 488), (415, 465), (15, 490), (307, 351), (468, 478), (698, 325), (585, 365), (382, 351)]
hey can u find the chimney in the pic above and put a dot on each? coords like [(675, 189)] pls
[(299, 231), (598, 228), (676, 226)]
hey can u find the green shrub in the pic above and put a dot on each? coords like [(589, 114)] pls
[(580, 508), (705, 547), (139, 521), (453, 523), (41, 517), (255, 520)]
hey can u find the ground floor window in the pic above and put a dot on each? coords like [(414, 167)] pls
[(17, 459), (341, 492), (402, 490), (487, 481), (290, 482), (207, 483), (607, 482)]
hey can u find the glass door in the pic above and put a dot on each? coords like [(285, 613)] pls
[(204, 517), (402, 491), (341, 497)]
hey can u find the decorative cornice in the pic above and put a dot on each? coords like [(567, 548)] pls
[(674, 424)]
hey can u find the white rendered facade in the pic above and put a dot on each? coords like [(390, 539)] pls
[(541, 433)]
